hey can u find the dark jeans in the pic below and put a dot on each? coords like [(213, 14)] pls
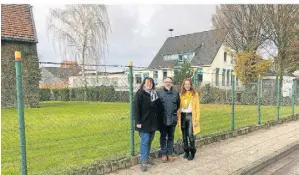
[(166, 139), (187, 130)]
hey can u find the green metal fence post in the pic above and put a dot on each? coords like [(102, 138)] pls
[(233, 102), (21, 112), (294, 96), (259, 99), (131, 109), (278, 99)]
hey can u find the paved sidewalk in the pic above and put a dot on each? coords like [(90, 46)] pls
[(228, 156)]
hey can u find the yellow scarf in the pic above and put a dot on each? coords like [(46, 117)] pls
[(188, 96)]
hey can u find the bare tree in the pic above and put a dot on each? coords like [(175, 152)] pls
[(251, 27), (242, 24), (80, 30), (282, 26)]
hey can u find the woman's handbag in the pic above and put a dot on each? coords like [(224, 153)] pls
[(178, 147)]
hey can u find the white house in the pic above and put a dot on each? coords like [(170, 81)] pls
[(117, 77), (204, 50)]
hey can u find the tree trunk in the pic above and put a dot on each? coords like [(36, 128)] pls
[(83, 74)]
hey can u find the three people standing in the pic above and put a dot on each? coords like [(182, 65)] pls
[(163, 111)]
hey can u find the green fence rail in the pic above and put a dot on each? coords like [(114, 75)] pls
[(82, 120)]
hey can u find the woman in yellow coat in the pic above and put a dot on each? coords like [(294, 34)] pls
[(188, 117)]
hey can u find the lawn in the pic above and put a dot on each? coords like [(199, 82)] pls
[(64, 135)]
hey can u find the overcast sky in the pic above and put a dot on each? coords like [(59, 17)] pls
[(138, 31)]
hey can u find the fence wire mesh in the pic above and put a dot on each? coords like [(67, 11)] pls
[(246, 111), (83, 115)]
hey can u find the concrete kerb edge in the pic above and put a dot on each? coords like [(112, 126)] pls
[(265, 161), (131, 161)]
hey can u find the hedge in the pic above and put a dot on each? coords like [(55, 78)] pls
[(102, 93), (61, 94), (44, 94)]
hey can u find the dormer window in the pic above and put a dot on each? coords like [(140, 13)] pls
[(180, 58)]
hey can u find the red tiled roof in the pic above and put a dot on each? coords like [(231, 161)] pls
[(17, 23)]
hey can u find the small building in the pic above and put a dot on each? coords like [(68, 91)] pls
[(57, 77), (110, 76), (18, 34), (269, 84)]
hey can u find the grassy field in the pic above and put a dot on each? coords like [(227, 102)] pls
[(64, 135)]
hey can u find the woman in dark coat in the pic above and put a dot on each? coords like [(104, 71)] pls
[(147, 112)]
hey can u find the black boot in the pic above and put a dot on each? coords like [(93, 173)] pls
[(187, 153), (191, 156)]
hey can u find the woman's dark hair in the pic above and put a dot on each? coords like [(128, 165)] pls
[(143, 82), (169, 78)]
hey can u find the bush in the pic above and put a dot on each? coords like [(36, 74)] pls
[(102, 93), (250, 96), (122, 96), (77, 94), (61, 94), (44, 94), (107, 94), (210, 94), (93, 94)]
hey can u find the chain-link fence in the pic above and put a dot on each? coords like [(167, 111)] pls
[(84, 114)]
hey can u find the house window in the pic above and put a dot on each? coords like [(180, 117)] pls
[(225, 56), (165, 57), (138, 79), (217, 76), (156, 77), (227, 80), (185, 57), (232, 60), (164, 73), (236, 79), (145, 75), (180, 58), (199, 76), (155, 74), (223, 77)]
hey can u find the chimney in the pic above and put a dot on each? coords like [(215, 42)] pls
[(170, 30)]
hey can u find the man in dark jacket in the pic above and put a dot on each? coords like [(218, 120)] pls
[(170, 100)]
